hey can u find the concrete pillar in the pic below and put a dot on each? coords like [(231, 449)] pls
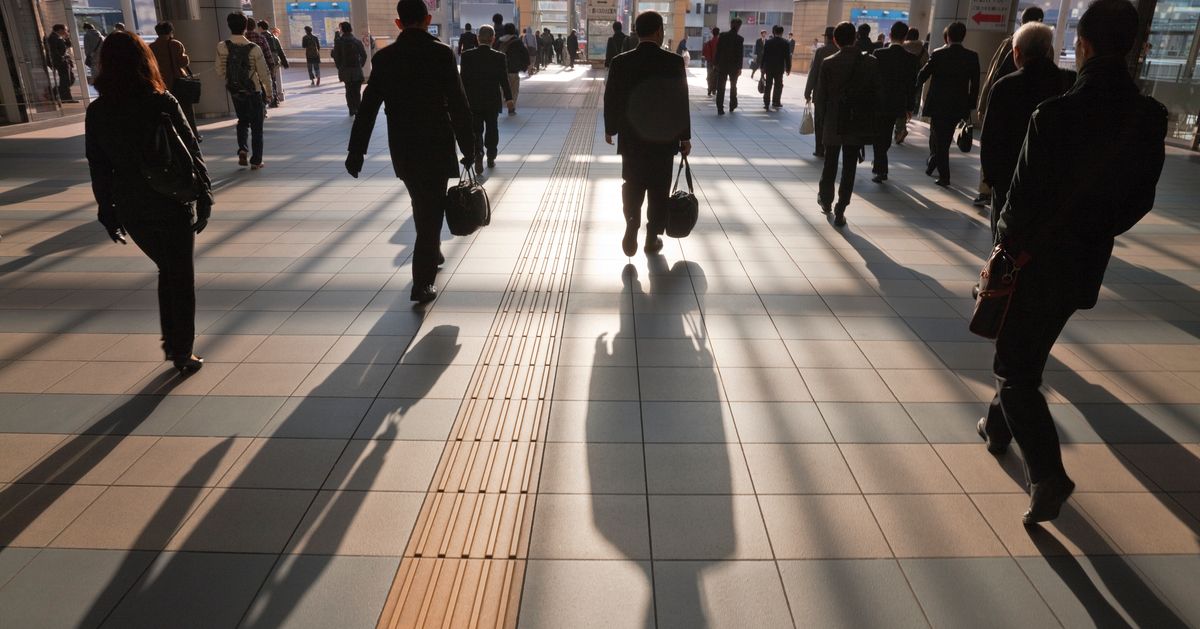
[(920, 12), (358, 19), (201, 36), (833, 13)]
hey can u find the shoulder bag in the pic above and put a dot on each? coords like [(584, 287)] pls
[(467, 205), (964, 135), (683, 210)]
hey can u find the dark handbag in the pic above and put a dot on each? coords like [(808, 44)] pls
[(762, 84), (964, 135), (683, 210), (186, 89), (997, 285), (467, 205), (166, 162)]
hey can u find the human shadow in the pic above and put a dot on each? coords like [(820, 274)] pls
[(689, 486), (34, 191)]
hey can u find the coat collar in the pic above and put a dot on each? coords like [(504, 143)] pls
[(1107, 73)]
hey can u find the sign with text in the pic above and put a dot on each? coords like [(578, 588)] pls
[(988, 15)]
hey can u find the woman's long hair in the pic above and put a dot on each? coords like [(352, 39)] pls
[(127, 67)]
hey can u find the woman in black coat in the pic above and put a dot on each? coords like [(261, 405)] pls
[(119, 127)]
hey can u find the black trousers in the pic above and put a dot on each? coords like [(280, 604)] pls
[(849, 155), (712, 78), (169, 242), (429, 207), (314, 69), (724, 76), (647, 178), (486, 134), (883, 143), (941, 135), (818, 134), (66, 78), (774, 90), (353, 96), (1036, 317), (999, 197)]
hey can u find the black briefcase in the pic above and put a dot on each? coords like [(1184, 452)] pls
[(186, 90), (467, 205), (964, 135), (683, 210)]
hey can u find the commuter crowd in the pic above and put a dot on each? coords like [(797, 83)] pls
[(1069, 160)]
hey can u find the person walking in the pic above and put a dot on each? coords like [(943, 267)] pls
[(172, 59), (349, 55), (427, 112), (646, 109), (468, 40), (485, 78), (268, 54), (546, 47), (58, 48), (848, 79), (810, 86), (531, 41), (616, 44), (243, 67), (312, 55), (709, 52), (756, 60), (518, 61), (863, 43), (559, 42), (953, 75), (898, 77), (91, 47), (572, 49), (729, 65), (914, 45), (1015, 97), (281, 62), (1087, 173), (1001, 66), (776, 60), (132, 101)]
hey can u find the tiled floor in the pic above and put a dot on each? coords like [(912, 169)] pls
[(769, 424)]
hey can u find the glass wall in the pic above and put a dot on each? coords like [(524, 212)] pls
[(1168, 65)]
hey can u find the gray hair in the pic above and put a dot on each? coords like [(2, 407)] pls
[(1035, 41), (487, 34)]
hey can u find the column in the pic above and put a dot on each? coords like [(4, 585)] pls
[(201, 36), (919, 14), (1060, 27), (359, 21)]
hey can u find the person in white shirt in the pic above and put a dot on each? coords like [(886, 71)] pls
[(241, 64)]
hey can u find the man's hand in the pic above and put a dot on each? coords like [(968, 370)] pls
[(908, 116), (608, 138), (466, 160), (354, 164), (685, 148)]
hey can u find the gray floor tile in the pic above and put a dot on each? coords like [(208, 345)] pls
[(409, 418), (1174, 577), (587, 595), (317, 418), (719, 594), (595, 421), (850, 593), (54, 413), (12, 560), (997, 592), (707, 527), (323, 591), (1100, 591), (779, 422), (581, 526), (696, 469), (70, 588), (869, 422), (219, 416), (599, 468)]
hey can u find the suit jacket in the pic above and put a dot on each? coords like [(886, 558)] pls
[(953, 75), (758, 51), (616, 46), (573, 46), (485, 77), (814, 70), (467, 41), (646, 102), (172, 59), (1015, 97), (845, 70), (349, 55), (58, 50), (1087, 173), (730, 48), (898, 78), (775, 56), (426, 107)]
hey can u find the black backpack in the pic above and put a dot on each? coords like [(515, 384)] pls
[(166, 162), (237, 69)]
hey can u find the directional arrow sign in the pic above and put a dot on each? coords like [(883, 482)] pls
[(988, 18)]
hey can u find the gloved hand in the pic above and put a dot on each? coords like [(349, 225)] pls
[(466, 161), (203, 211), (354, 164)]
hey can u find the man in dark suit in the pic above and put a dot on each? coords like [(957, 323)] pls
[(756, 60), (729, 65), (646, 107), (468, 40), (776, 60), (898, 77), (485, 77), (953, 73), (572, 49), (427, 111), (58, 48), (616, 44), (1087, 173), (846, 72), (1015, 97), (810, 84)]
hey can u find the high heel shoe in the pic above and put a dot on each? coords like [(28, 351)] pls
[(189, 365)]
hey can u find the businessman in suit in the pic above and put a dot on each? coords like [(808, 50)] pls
[(616, 44), (776, 59), (427, 112), (898, 77), (729, 65), (485, 77), (646, 108), (953, 75)]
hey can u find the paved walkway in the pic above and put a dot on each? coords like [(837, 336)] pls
[(770, 424)]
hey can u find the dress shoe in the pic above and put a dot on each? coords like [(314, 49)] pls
[(732, 107), (995, 446), (441, 260), (880, 178), (818, 153), (654, 244), (479, 164), (1047, 499), (982, 200), (491, 163), (839, 216), (929, 170), (943, 182), (424, 294), (257, 166), (629, 242), (189, 365), (720, 112), (826, 207), (777, 106), (243, 158)]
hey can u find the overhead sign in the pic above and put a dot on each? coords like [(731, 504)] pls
[(602, 9), (989, 15)]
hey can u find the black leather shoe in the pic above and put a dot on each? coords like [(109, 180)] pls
[(629, 242), (982, 200), (424, 294), (720, 112), (654, 244), (819, 154), (441, 260), (826, 206), (945, 183), (995, 446), (879, 178), (491, 163), (189, 365), (839, 216), (1047, 499), (479, 164)]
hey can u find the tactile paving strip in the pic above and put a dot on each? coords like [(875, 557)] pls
[(465, 562)]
